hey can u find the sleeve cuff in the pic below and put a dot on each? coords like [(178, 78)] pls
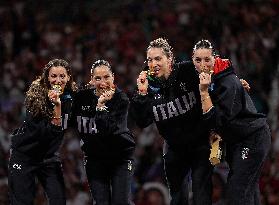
[(56, 128), (209, 113)]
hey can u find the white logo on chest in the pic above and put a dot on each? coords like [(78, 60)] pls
[(183, 86), (85, 107)]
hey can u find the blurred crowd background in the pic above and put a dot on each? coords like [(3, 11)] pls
[(82, 31)]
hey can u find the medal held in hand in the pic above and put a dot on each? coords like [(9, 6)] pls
[(154, 83), (57, 88), (216, 149)]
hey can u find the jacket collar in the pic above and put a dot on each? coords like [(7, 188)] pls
[(229, 70)]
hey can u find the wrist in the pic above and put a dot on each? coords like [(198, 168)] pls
[(207, 110), (204, 98), (99, 105), (57, 103), (102, 108), (204, 93), (57, 117)]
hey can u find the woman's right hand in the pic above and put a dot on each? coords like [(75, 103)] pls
[(54, 97), (142, 83), (106, 96), (205, 80)]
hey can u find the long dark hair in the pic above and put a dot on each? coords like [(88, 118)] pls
[(36, 100)]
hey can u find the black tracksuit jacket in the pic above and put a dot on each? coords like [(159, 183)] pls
[(175, 107), (234, 115), (104, 135), (38, 140)]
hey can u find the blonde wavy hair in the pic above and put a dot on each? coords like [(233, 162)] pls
[(37, 102), (163, 44)]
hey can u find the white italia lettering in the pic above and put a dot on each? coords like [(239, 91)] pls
[(185, 103), (180, 109), (174, 108), (84, 122), (65, 121), (79, 123), (92, 126), (86, 125), (162, 111), (155, 113), (171, 109), (192, 99)]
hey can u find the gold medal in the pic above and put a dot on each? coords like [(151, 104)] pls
[(216, 151), (58, 89)]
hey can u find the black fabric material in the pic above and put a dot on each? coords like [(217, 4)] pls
[(104, 134), (175, 106), (245, 132), (245, 168), (110, 181), (34, 155), (177, 169), (37, 139), (22, 186), (234, 115)]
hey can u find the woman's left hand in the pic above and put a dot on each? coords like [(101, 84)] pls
[(245, 84), (205, 80)]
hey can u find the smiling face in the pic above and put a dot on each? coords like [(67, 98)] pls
[(203, 60), (102, 78), (58, 76), (159, 63)]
